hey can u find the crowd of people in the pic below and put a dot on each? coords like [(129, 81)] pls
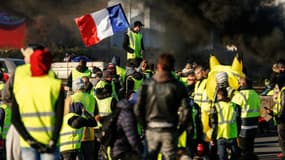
[(157, 113)]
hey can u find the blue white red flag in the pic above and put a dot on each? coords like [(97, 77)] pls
[(101, 24)]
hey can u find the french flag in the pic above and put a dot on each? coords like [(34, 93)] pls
[(101, 24)]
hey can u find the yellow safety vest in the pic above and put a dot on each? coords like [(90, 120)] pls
[(104, 106), (200, 86), (121, 72), (137, 83), (89, 103), (24, 71), (76, 74), (249, 101), (86, 99), (227, 121), (277, 106), (101, 84), (70, 138), (36, 99), (135, 43), (7, 120)]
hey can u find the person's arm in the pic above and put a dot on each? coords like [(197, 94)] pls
[(213, 120), (59, 108), (126, 44), (142, 45), (79, 122), (69, 80), (139, 108), (2, 119), (281, 114)]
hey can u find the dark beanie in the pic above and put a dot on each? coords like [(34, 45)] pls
[(40, 61)]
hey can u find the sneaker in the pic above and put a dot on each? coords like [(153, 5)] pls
[(280, 155)]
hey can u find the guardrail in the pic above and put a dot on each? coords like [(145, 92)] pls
[(63, 69)]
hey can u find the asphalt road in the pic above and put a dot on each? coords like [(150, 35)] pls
[(266, 145)]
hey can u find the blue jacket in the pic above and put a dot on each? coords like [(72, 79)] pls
[(127, 137)]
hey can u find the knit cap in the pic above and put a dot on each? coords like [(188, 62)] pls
[(222, 79), (40, 62), (77, 84)]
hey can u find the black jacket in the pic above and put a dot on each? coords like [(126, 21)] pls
[(159, 100)]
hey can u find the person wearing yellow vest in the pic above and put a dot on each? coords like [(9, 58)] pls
[(71, 131), (78, 72), (37, 109), (200, 84), (278, 111), (88, 145), (133, 44), (224, 122), (249, 101), (133, 82), (13, 138)]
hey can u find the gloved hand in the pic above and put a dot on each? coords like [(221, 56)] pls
[(51, 146), (42, 148)]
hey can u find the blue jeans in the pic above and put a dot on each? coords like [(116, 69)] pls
[(223, 145), (32, 154)]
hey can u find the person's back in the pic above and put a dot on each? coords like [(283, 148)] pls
[(157, 108), (38, 108)]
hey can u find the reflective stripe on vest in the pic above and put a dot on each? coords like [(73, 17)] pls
[(37, 99), (199, 90), (135, 44), (70, 138), (249, 102), (76, 74), (7, 120), (227, 122), (277, 107), (104, 106)]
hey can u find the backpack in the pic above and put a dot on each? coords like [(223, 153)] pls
[(106, 134)]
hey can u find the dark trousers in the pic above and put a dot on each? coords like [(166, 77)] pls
[(281, 136), (128, 156), (87, 150), (247, 147), (71, 155)]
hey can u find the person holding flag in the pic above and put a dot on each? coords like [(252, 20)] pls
[(133, 44)]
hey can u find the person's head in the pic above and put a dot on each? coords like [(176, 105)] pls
[(191, 79), (137, 26), (281, 65), (199, 72), (78, 85), (222, 80), (40, 61), (29, 50), (85, 79), (107, 75), (166, 62), (222, 94), (244, 82), (144, 65), (82, 62), (97, 72)]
